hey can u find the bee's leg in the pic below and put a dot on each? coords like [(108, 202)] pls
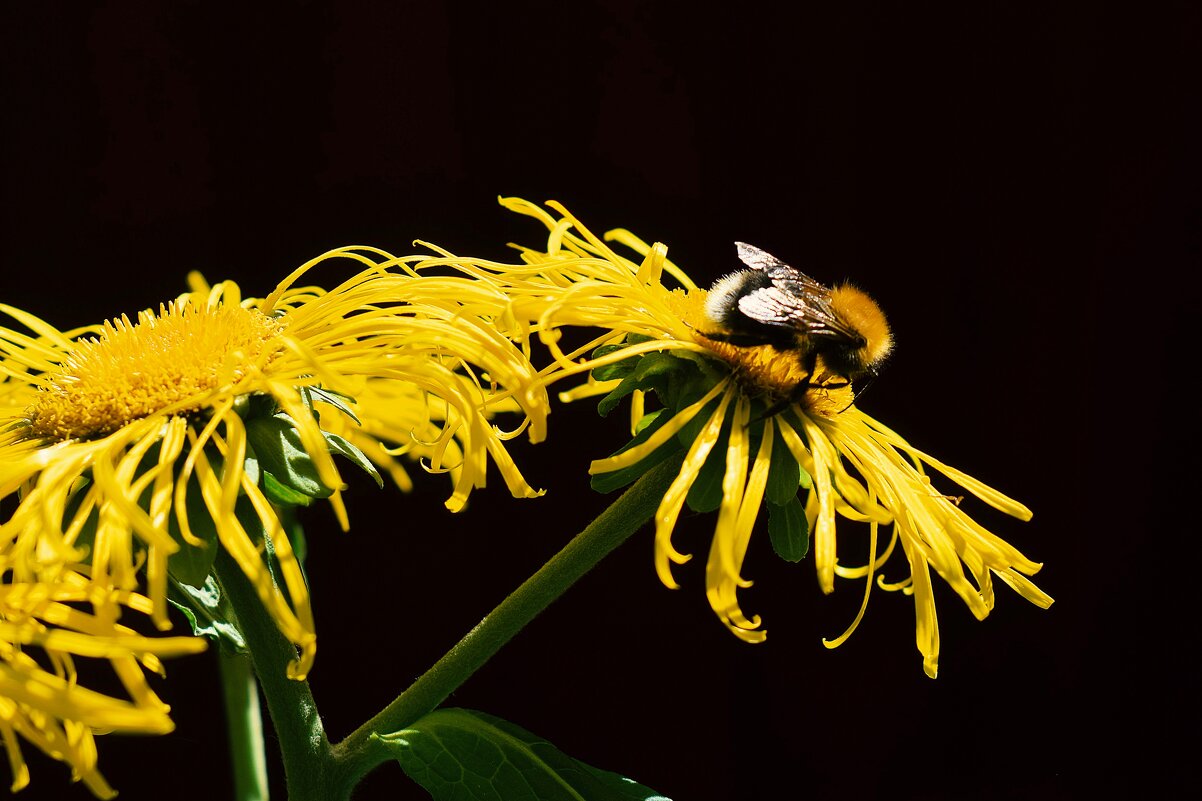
[(796, 395), (773, 410)]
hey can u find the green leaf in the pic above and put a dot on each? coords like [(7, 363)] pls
[(278, 447), (209, 614), (461, 755), (789, 530)]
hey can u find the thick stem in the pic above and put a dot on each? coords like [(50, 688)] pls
[(359, 753), (244, 720), (303, 744)]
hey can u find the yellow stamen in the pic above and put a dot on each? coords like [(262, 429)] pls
[(167, 360)]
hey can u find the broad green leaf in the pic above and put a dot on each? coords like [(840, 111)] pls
[(462, 755), (789, 530)]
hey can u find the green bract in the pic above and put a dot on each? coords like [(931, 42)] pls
[(678, 379)]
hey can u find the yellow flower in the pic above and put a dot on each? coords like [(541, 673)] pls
[(132, 442), (750, 442), (43, 633)]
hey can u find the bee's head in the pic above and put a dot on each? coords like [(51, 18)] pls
[(862, 314)]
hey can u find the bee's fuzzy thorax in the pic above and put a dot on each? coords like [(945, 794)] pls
[(722, 301), (864, 315)]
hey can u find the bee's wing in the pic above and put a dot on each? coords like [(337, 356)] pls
[(758, 259), (794, 300)]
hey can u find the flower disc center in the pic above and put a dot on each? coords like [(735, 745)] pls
[(168, 360)]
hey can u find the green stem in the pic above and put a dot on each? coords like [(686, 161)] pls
[(245, 721), (303, 744), (360, 752)]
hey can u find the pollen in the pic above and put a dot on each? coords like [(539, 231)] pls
[(166, 361)]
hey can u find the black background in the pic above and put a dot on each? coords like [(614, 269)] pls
[(1010, 182)]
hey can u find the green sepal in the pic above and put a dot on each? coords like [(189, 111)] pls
[(678, 378), (789, 418), (789, 530), (290, 522), (282, 456), (279, 493), (192, 564), (86, 538), (209, 613), (805, 480), (651, 371), (340, 402), (784, 474), (647, 420), (250, 466), (689, 432), (462, 755), (706, 493), (617, 370), (260, 404), (277, 456), (342, 446), (608, 482), (690, 385)]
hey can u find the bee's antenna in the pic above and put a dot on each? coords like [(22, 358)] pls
[(864, 388), (872, 374)]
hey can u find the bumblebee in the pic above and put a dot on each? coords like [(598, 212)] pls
[(771, 303)]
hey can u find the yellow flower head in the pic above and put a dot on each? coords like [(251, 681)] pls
[(133, 442), (751, 439)]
